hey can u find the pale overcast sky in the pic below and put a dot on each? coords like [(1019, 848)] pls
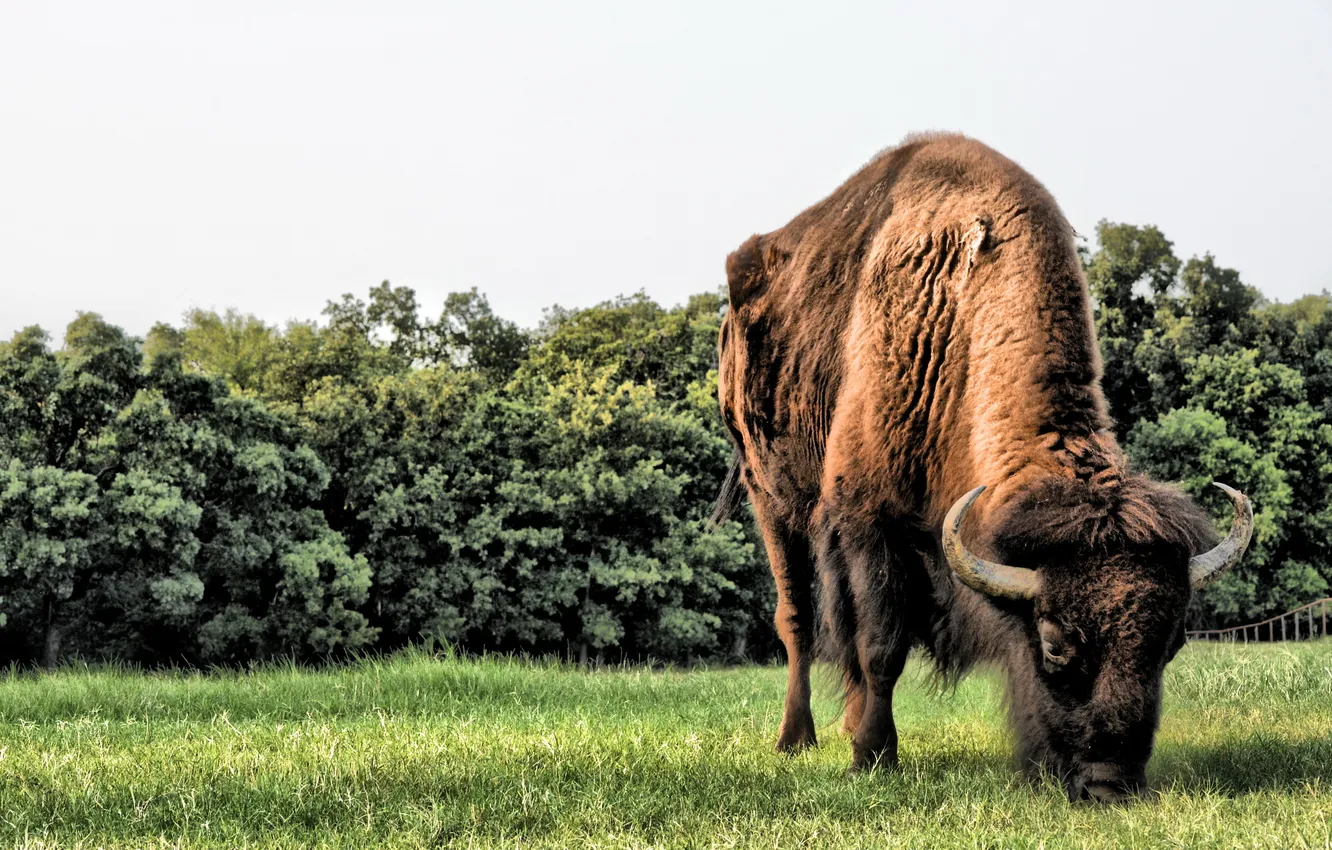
[(272, 155)]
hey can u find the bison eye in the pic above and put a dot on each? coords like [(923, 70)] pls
[(1055, 648)]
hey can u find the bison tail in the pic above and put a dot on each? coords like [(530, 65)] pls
[(731, 495)]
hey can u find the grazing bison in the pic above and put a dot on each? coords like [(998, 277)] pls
[(924, 330)]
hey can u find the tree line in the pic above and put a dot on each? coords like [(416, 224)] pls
[(224, 491)]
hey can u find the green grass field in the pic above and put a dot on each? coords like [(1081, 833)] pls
[(422, 752)]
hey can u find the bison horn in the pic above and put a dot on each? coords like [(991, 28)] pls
[(977, 573), (1207, 567)]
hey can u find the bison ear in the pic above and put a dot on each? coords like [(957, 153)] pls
[(745, 276)]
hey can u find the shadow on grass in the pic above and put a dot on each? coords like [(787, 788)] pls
[(1261, 762)]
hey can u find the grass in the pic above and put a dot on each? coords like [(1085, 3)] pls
[(422, 752)]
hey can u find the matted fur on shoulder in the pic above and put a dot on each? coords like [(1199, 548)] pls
[(1069, 517)]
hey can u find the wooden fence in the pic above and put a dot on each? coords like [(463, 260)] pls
[(1303, 623)]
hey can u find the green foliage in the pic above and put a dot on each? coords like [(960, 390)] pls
[(152, 514), (641, 340), (236, 347), (1133, 269), (470, 335), (556, 515), (47, 525), (1209, 382), (373, 480)]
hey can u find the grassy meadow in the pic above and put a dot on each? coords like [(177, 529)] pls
[(417, 751)]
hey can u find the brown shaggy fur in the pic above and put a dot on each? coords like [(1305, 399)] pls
[(924, 329)]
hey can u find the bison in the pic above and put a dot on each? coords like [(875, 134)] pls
[(910, 375)]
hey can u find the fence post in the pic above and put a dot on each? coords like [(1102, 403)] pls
[(1283, 626)]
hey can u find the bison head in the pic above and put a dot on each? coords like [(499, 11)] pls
[(1100, 622)]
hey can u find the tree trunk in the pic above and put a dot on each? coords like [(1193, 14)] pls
[(739, 648), (582, 655), (51, 644)]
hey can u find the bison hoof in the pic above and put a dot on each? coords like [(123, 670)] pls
[(872, 763), (796, 732), (795, 743)]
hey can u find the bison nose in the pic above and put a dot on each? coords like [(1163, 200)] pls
[(1102, 782)]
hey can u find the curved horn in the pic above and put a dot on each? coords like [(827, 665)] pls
[(977, 573), (1207, 567)]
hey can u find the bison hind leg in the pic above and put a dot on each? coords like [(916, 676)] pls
[(837, 629), (792, 567), (881, 575)]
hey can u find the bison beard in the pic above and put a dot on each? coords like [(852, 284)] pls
[(923, 330)]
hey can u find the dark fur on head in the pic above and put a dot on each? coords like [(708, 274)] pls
[(1075, 518)]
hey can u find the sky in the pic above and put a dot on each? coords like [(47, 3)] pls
[(270, 156)]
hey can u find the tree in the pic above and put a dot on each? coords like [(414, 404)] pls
[(1133, 268), (237, 347), (72, 516), (48, 520), (394, 308), (470, 335), (653, 578), (641, 341), (158, 515), (276, 579), (29, 373)]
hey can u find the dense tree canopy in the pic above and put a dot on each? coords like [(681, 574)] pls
[(1208, 381), (225, 490)]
